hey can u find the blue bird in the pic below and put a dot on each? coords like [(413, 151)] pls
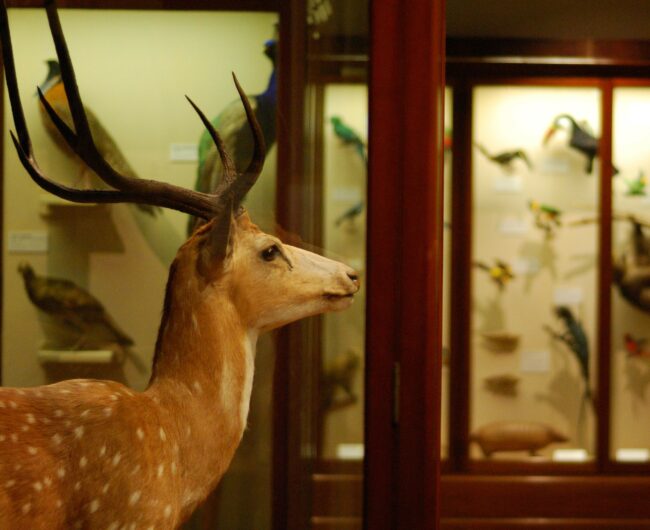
[(232, 125)]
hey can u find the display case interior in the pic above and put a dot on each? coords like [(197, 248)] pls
[(134, 69), (630, 368), (534, 275), (345, 123)]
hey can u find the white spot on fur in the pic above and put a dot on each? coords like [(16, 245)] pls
[(79, 432), (135, 497), (32, 450), (85, 413), (30, 418), (94, 506), (197, 387), (161, 469), (77, 486), (24, 428), (2, 437), (2, 405), (83, 461), (163, 436), (113, 526), (9, 483), (57, 439), (113, 397), (14, 437), (173, 467), (105, 488), (59, 503), (117, 458), (65, 391), (47, 481), (26, 507), (135, 469), (38, 486), (102, 451), (140, 433), (13, 404), (108, 411), (18, 467), (58, 413), (168, 510), (60, 472)]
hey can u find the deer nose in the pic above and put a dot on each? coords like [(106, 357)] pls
[(354, 277)]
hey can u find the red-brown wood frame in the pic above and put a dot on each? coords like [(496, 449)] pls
[(404, 264)]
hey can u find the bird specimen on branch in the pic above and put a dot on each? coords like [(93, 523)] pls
[(547, 217), (636, 187), (500, 273), (232, 125), (505, 158), (580, 138), (74, 309), (575, 338), (349, 137), (54, 92)]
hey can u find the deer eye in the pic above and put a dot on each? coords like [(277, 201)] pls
[(270, 253)]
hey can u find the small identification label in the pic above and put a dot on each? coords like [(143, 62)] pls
[(183, 152), (570, 455), (535, 361), (633, 455), (27, 241), (567, 295), (513, 184)]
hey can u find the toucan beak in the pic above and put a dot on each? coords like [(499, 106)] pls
[(550, 132)]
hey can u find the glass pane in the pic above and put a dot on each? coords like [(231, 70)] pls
[(446, 283), (134, 69), (344, 229), (534, 239), (630, 368)]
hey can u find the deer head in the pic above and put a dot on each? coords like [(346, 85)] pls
[(99, 455)]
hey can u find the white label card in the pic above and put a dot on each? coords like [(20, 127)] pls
[(535, 361)]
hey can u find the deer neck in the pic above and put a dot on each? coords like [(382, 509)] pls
[(202, 381)]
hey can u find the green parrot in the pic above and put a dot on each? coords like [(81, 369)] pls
[(637, 186), (349, 137)]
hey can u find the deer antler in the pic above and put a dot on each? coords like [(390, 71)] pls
[(226, 197)]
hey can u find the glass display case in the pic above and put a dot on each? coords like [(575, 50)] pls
[(121, 253)]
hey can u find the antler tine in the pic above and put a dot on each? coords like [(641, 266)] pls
[(12, 83), (228, 166), (247, 179)]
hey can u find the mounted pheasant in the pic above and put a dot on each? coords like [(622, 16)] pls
[(96, 455)]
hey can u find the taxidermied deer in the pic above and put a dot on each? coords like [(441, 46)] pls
[(94, 454)]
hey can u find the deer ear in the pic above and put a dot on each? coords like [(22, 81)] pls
[(217, 245)]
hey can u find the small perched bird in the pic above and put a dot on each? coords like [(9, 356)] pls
[(350, 214), (500, 273), (637, 186), (506, 158), (73, 308), (635, 347), (232, 125), (54, 92), (547, 218), (579, 138), (349, 136)]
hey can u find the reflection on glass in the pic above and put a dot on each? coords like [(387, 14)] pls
[(446, 291), (630, 349), (534, 252)]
